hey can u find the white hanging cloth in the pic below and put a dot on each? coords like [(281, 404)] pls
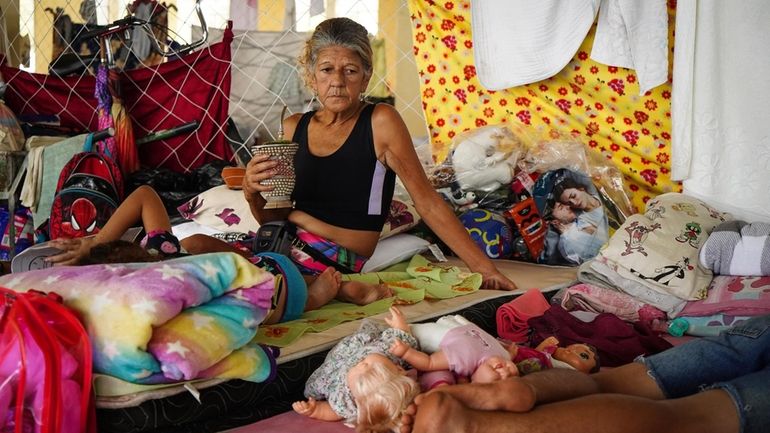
[(634, 34), (519, 42), (720, 135)]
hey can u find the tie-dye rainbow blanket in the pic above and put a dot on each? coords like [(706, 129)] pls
[(182, 319)]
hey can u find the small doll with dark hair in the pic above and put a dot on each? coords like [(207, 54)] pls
[(548, 354)]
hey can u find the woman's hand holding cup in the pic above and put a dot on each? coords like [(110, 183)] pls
[(259, 168)]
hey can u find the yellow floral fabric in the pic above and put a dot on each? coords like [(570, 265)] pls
[(594, 103)]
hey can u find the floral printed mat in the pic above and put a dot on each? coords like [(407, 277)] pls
[(412, 282)]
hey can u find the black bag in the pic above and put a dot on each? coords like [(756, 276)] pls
[(274, 236), (280, 236)]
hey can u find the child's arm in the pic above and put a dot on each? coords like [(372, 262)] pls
[(141, 206), (315, 409), (420, 360)]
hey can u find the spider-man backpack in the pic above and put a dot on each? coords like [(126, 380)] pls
[(89, 190)]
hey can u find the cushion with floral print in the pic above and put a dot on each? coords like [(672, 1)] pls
[(401, 218), (226, 210), (220, 208)]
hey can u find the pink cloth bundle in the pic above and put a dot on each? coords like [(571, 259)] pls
[(596, 299), (512, 316)]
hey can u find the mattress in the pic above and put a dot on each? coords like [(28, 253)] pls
[(216, 405)]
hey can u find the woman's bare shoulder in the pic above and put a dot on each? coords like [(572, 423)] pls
[(388, 124), (385, 113)]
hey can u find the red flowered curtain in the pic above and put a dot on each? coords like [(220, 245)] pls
[(597, 104)]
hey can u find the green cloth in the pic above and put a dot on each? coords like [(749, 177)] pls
[(418, 280), (55, 157)]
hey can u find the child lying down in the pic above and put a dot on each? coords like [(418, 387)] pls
[(294, 292)]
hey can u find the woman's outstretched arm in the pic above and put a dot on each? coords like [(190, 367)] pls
[(395, 149)]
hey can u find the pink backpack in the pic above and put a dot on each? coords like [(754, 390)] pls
[(45, 366)]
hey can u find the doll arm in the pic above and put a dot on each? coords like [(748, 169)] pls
[(548, 342), (397, 320), (315, 409), (420, 360)]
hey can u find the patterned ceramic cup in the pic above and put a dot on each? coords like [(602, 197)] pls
[(283, 181)]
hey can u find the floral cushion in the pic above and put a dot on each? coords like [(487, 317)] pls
[(403, 216), (221, 208), (226, 210)]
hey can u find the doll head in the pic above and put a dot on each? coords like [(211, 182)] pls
[(382, 391), (582, 357), (493, 369)]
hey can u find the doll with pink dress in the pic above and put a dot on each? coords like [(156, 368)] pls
[(455, 344)]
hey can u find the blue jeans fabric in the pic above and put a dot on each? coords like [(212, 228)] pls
[(738, 361)]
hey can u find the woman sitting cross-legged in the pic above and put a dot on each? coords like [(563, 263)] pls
[(349, 154), (294, 293)]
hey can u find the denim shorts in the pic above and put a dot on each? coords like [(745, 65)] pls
[(738, 361)]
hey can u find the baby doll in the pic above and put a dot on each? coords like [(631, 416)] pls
[(484, 159), (459, 346), (361, 382), (548, 354)]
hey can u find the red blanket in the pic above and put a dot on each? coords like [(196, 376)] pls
[(194, 87)]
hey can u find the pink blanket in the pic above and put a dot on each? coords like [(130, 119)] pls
[(512, 316), (588, 297)]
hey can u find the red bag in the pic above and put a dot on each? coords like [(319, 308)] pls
[(45, 366)]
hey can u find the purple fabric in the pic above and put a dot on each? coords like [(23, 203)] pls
[(617, 342), (104, 109)]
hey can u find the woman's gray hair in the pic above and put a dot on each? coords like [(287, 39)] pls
[(337, 32)]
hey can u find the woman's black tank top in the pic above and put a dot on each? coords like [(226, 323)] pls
[(349, 188)]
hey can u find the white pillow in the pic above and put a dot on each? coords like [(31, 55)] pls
[(394, 249), (221, 208)]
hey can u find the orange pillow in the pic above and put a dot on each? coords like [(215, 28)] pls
[(233, 177)]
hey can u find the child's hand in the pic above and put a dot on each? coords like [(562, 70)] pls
[(72, 250), (399, 348), (305, 408), (397, 320)]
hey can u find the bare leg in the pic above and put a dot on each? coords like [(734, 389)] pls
[(520, 394), (202, 244), (711, 411), (322, 288), (513, 395), (361, 293)]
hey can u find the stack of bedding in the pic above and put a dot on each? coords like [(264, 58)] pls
[(681, 267), (216, 404)]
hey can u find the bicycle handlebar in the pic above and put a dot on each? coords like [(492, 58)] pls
[(130, 22), (114, 27)]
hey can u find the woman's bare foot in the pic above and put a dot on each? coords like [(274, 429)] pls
[(323, 289), (361, 293), (510, 395)]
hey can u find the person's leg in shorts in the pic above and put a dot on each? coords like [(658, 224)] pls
[(712, 384)]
